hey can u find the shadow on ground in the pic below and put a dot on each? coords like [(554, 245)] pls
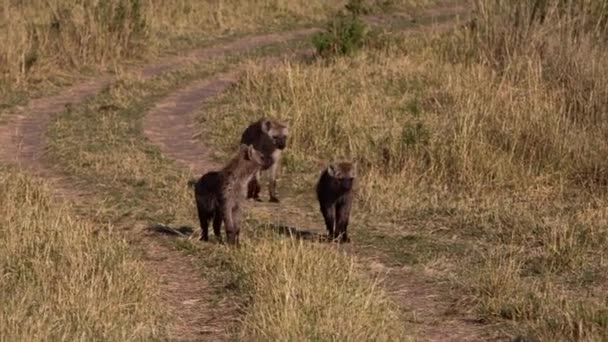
[(297, 233)]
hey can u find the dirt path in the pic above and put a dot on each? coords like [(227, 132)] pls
[(171, 123), (187, 296), (171, 126)]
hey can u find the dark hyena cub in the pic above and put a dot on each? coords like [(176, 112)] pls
[(270, 136), (335, 195), (218, 193)]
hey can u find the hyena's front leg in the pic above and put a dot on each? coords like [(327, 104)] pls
[(272, 186), (342, 217), (203, 217), (253, 187), (236, 221), (231, 235), (329, 217)]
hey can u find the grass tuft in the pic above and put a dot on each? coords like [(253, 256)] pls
[(344, 34)]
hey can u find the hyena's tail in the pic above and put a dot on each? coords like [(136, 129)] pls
[(192, 182)]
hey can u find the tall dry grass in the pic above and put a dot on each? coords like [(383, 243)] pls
[(418, 118), (554, 48), (44, 42), (60, 281)]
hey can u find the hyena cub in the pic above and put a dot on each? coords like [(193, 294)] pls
[(218, 193), (267, 135), (335, 195)]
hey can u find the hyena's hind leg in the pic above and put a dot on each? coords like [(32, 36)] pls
[(217, 225), (204, 218), (236, 223)]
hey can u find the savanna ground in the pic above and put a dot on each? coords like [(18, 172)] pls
[(481, 208)]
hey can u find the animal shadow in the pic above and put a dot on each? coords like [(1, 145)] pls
[(298, 233), (184, 231)]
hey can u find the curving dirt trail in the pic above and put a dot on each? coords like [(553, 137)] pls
[(22, 135), (171, 123)]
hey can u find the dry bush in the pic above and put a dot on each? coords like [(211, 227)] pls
[(60, 281)]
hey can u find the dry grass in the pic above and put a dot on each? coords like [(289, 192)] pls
[(492, 138), (294, 290), (62, 282), (106, 146), (49, 43), (283, 301), (301, 292)]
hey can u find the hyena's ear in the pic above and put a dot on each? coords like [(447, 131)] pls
[(243, 148), (254, 155), (331, 170), (266, 125)]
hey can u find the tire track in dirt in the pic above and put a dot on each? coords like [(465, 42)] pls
[(187, 297), (171, 125)]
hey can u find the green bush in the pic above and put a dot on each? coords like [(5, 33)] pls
[(345, 34)]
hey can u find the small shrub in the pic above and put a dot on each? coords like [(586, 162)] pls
[(345, 34)]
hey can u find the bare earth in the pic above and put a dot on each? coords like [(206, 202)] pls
[(170, 125)]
